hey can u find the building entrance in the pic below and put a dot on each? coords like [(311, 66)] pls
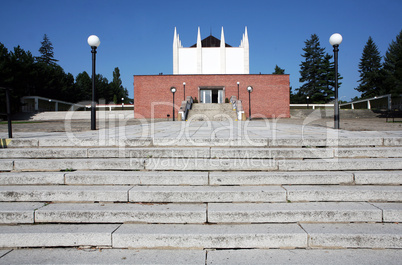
[(211, 95)]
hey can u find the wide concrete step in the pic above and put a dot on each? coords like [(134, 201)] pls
[(209, 236), (300, 212), (193, 236), (207, 194), (200, 257), (155, 178), (203, 152), (29, 212), (344, 193), (273, 164), (296, 193), (188, 164), (56, 235), (259, 236), (121, 213), (200, 194), (64, 193), (202, 178), (204, 142)]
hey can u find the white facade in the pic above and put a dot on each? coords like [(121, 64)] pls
[(211, 60)]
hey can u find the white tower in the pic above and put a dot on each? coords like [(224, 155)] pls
[(207, 57)]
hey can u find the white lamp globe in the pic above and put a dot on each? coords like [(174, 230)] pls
[(173, 89), (335, 39), (93, 41), (250, 88)]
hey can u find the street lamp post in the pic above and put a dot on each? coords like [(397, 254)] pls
[(335, 40), (249, 89), (307, 98), (238, 92), (122, 103), (94, 42), (184, 87), (173, 90)]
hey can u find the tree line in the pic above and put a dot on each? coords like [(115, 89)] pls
[(376, 77), (28, 75)]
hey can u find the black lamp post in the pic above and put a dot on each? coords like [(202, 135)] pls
[(238, 92), (184, 87), (307, 98), (94, 42), (249, 89), (173, 90), (335, 40)]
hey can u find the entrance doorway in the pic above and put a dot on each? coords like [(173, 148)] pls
[(211, 95)]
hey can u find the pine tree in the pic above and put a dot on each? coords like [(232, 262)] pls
[(46, 51), (370, 71), (393, 67), (278, 71), (117, 86), (317, 72), (312, 70)]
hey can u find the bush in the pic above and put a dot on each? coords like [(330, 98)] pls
[(226, 100)]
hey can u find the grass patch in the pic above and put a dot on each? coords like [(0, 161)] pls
[(20, 122)]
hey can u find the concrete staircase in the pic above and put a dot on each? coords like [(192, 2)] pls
[(211, 112), (211, 203)]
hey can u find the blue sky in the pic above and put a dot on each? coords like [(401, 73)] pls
[(137, 35)]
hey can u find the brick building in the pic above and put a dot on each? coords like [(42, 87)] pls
[(192, 75)]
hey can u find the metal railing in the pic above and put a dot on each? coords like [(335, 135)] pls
[(185, 107), (238, 106)]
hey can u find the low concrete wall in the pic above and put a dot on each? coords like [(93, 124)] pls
[(329, 113)]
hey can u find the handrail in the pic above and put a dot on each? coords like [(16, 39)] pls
[(10, 129), (238, 106), (185, 107)]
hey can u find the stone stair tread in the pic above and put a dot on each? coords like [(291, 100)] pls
[(64, 193), (201, 152), (157, 178), (209, 236), (378, 177), (121, 213), (365, 235), (280, 178), (294, 212), (207, 194), (344, 193), (342, 164), (207, 141), (78, 164), (32, 178), (55, 235), (392, 212), (18, 212)]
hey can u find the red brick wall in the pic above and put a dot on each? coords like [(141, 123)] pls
[(153, 99)]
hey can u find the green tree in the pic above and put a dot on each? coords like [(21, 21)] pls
[(117, 87), (370, 71), (46, 51), (83, 88), (393, 67), (317, 73), (102, 88), (278, 71), (312, 69)]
